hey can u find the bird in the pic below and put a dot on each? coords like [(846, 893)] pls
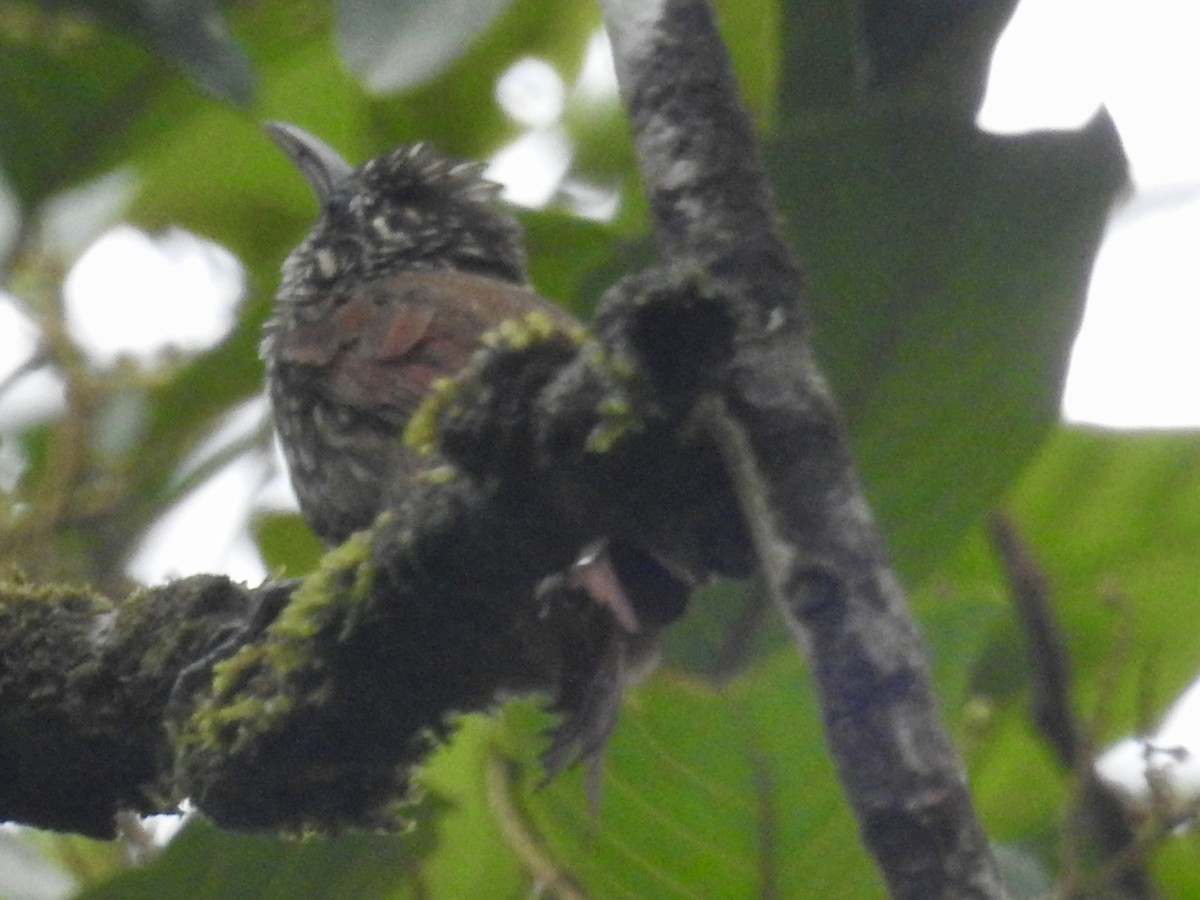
[(408, 264)]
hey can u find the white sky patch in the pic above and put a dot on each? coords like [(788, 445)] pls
[(597, 77), (206, 531), (532, 167), (531, 92), (30, 874), (134, 295), (25, 397), (277, 494), (70, 221), (242, 423), (590, 201), (1046, 69), (1134, 363), (1151, 84), (18, 337), (1160, 773), (32, 398)]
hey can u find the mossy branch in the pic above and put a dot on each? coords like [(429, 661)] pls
[(304, 704)]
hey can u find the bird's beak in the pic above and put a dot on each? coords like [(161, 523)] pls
[(317, 161)]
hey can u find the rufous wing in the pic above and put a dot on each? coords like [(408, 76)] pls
[(389, 339)]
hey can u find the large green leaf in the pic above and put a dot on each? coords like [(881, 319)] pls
[(717, 791), (189, 33), (947, 268), (1114, 520), (818, 65), (472, 857), (706, 793), (66, 80), (947, 272), (753, 32)]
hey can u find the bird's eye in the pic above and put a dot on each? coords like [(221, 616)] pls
[(338, 203)]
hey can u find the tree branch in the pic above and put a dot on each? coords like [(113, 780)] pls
[(1103, 834), (787, 453), (305, 704)]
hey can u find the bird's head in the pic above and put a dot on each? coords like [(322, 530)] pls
[(409, 209)]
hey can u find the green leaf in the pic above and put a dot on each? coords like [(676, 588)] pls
[(564, 252), (706, 792), (473, 858), (189, 33), (947, 270), (847, 54), (819, 64), (77, 76), (65, 80), (1174, 866), (205, 863), (934, 51), (286, 543), (1113, 520), (752, 32)]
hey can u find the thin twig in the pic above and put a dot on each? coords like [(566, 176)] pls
[(1050, 704), (1103, 856)]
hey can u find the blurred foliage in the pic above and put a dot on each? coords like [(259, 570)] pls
[(947, 270)]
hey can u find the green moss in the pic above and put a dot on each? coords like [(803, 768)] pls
[(247, 709), (616, 421), (437, 475), (229, 673), (257, 685), (14, 577), (616, 412), (518, 334), (420, 434), (312, 605), (225, 727), (320, 608), (161, 637), (70, 598), (621, 369)]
